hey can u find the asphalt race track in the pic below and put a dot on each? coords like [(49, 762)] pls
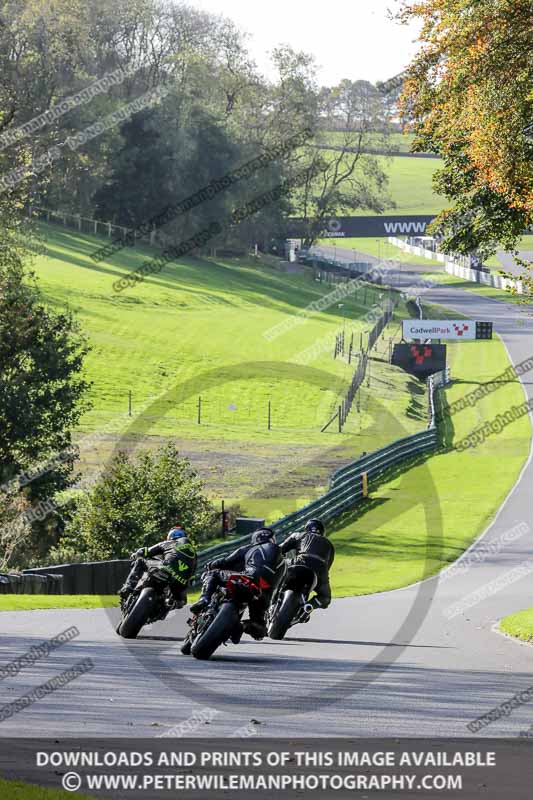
[(389, 664)]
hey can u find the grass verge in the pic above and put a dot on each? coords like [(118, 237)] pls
[(199, 326), (519, 625), (17, 790), (422, 519), (31, 602)]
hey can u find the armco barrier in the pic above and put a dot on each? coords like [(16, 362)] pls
[(458, 266), (94, 577), (24, 583)]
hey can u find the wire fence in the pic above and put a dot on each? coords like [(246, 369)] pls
[(348, 484), (252, 409), (346, 402)]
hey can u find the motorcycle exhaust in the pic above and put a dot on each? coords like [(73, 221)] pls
[(307, 608)]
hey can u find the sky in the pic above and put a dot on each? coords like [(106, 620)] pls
[(351, 40)]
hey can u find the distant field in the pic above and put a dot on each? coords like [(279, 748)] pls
[(401, 141), (410, 186), (526, 242)]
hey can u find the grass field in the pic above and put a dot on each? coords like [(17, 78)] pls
[(410, 186), (30, 602), (204, 318), (394, 539), (401, 141), (519, 625), (199, 326)]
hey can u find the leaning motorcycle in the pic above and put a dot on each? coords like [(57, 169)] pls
[(221, 622), (290, 604), (150, 601)]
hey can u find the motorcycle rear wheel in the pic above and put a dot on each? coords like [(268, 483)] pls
[(283, 618), (218, 632)]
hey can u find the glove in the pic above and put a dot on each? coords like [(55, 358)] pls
[(138, 553)]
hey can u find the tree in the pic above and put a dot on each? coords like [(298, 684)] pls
[(467, 96), (144, 159), (346, 176), (41, 384), (14, 527), (135, 502)]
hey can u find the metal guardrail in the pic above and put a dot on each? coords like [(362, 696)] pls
[(345, 489)]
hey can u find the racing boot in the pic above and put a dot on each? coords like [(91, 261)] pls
[(210, 584), (236, 634), (257, 630), (200, 605)]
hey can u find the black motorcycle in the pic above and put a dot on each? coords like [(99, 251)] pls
[(150, 601), (221, 622), (290, 604)]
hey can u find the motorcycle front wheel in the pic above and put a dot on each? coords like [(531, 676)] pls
[(139, 615)]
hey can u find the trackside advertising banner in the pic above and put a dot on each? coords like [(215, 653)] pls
[(384, 225), (439, 329)]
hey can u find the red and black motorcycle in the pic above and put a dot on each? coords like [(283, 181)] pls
[(221, 620)]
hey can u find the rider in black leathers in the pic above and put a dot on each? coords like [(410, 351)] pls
[(178, 554), (262, 561), (315, 551)]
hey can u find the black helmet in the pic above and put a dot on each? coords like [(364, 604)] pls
[(315, 526), (262, 536)]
